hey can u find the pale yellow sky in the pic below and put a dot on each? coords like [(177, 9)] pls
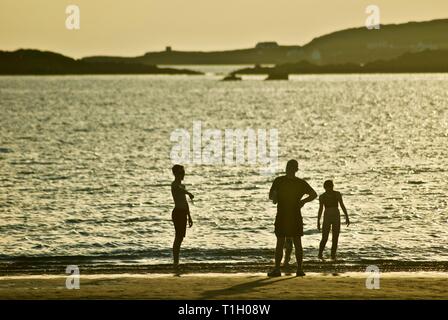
[(133, 27)]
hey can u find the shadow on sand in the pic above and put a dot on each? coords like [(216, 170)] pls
[(242, 287)]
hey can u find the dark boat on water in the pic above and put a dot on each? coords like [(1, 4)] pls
[(232, 77)]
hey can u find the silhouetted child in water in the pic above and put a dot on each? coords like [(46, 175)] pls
[(330, 200), (181, 211)]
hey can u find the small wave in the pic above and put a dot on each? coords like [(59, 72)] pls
[(39, 246), (31, 162), (157, 185), (138, 219), (74, 221), (5, 150), (416, 182), (27, 138), (81, 130), (311, 232), (245, 188), (88, 189), (25, 173), (54, 178)]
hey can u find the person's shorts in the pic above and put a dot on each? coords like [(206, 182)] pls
[(332, 220), (288, 226), (179, 217)]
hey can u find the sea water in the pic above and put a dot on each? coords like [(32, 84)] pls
[(85, 166)]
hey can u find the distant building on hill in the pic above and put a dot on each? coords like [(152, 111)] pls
[(266, 45)]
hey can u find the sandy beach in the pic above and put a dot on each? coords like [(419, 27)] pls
[(394, 285)]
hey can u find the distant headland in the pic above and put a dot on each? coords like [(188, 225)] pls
[(35, 62)]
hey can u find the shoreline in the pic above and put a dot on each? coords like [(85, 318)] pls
[(58, 266)]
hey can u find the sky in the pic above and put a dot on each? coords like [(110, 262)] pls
[(133, 27)]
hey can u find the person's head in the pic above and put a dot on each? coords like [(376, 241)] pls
[(292, 166), (328, 185), (178, 171)]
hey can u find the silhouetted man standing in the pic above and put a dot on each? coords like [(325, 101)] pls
[(287, 192)]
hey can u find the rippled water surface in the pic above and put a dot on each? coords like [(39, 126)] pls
[(85, 164)]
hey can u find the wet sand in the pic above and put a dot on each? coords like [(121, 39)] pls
[(401, 285), (57, 266)]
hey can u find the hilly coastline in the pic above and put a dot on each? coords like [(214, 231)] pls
[(262, 53), (35, 62)]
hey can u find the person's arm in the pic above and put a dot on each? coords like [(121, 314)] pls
[(319, 214), (273, 192), (341, 202), (311, 195), (190, 221), (183, 190)]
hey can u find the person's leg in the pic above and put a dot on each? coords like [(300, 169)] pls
[(336, 227), (288, 250), (279, 251), (176, 249), (180, 226), (278, 257), (299, 253), (325, 232)]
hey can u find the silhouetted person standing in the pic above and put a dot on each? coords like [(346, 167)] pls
[(287, 192), (181, 211), (330, 200)]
